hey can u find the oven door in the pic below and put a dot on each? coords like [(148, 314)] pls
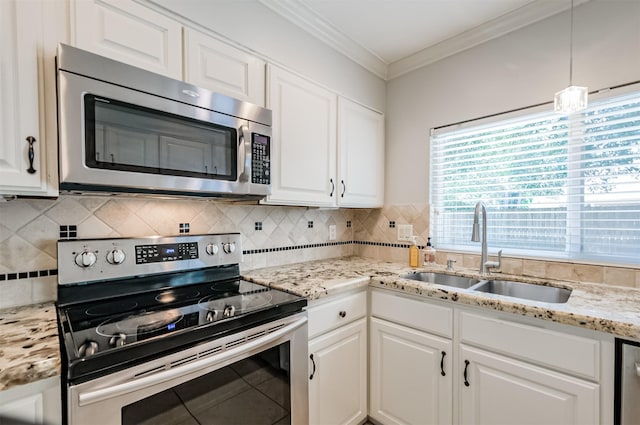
[(114, 138), (255, 376)]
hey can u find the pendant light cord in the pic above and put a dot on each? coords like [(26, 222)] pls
[(571, 48)]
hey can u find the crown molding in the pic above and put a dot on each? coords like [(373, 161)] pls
[(526, 15), (301, 14)]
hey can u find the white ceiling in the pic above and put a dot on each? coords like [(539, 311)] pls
[(392, 37)]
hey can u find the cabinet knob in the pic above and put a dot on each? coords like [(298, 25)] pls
[(342, 314)]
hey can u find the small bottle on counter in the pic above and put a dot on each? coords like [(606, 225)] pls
[(429, 254), (414, 254)]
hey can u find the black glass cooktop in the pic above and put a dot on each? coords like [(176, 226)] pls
[(144, 318)]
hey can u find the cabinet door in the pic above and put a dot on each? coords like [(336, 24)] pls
[(338, 376), (35, 403), (411, 377), (360, 155), (303, 149), (128, 32), (501, 390), (21, 23), (214, 65)]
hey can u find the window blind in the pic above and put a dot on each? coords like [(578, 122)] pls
[(558, 186)]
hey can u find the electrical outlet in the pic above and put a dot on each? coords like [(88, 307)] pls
[(332, 232), (405, 232)]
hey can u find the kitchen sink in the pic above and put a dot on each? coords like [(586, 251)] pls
[(442, 279), (528, 291)]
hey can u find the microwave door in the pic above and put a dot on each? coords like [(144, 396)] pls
[(123, 140)]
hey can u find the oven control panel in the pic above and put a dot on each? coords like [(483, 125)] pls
[(166, 252), (91, 260)]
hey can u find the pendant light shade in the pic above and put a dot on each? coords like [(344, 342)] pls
[(573, 98)]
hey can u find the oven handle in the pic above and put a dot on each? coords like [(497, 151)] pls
[(150, 380)]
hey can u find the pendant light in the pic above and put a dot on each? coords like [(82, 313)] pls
[(573, 98)]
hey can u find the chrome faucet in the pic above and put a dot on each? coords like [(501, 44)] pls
[(485, 265)]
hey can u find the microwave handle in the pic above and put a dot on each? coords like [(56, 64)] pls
[(243, 159)]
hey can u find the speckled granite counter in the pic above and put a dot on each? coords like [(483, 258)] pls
[(29, 349), (613, 310), (29, 344)]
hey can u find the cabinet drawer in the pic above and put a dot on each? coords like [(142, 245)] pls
[(415, 313), (338, 312), (561, 351)]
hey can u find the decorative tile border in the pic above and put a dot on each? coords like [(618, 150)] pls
[(294, 247), (54, 272), (28, 275)]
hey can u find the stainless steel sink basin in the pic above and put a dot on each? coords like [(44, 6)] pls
[(528, 291), (442, 279)]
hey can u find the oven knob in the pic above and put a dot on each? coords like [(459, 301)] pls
[(115, 256), (212, 249), (86, 259), (229, 247), (88, 348), (212, 316), (117, 340)]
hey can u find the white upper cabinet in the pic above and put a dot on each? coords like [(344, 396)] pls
[(24, 168), (128, 32), (360, 155), (303, 148), (216, 66), (325, 152)]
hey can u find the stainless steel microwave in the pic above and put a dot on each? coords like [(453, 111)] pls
[(124, 129)]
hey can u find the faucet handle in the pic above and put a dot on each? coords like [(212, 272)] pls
[(450, 264), (495, 264)]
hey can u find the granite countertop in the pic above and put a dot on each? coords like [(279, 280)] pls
[(29, 348), (614, 310)]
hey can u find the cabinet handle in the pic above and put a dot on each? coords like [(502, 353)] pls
[(466, 366), (313, 362), (333, 187), (344, 188), (442, 372), (32, 155), (342, 314)]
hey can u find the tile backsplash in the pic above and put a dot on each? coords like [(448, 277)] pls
[(30, 228), (271, 236)]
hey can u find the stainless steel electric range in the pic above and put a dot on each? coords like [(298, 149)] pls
[(164, 330)]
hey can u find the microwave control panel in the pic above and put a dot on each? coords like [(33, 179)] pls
[(260, 163)]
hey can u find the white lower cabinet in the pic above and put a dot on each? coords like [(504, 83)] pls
[(338, 372), (500, 390), (432, 363), (411, 379), (338, 377), (35, 403)]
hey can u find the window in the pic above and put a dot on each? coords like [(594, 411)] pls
[(554, 186)]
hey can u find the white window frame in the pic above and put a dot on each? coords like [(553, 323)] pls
[(575, 195)]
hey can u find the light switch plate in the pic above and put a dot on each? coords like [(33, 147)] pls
[(405, 232)]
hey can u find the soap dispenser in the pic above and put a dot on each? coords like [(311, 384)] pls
[(429, 253), (414, 253)]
